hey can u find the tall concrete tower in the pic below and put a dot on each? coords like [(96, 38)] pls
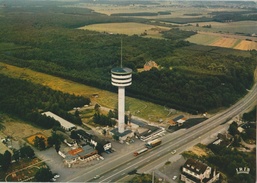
[(121, 77)]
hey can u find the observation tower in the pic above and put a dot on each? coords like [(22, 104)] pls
[(121, 77)]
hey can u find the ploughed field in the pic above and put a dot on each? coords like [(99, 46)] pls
[(224, 40)]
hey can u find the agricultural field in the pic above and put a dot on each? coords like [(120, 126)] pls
[(224, 40), (241, 27), (175, 8), (127, 28)]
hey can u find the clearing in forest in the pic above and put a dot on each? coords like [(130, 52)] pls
[(129, 28)]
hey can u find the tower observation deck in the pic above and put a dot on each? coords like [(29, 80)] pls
[(121, 77)]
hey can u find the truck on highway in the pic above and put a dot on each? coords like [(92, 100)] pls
[(153, 143), (140, 151)]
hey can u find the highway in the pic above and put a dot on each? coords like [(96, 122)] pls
[(113, 170)]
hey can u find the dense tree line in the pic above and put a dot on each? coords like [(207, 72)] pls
[(25, 100), (176, 34), (44, 175), (192, 78), (103, 120), (250, 116), (228, 160), (235, 16), (5, 160)]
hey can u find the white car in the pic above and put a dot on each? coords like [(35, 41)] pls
[(96, 177), (173, 152), (174, 177), (56, 176)]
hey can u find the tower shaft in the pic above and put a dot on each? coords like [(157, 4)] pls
[(121, 77), (121, 107)]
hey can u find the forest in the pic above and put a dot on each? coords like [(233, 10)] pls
[(190, 77), (27, 100)]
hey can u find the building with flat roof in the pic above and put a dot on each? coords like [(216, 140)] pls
[(85, 153), (122, 136), (66, 125)]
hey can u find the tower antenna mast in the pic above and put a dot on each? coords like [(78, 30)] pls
[(121, 53)]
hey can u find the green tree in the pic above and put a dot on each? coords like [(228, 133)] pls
[(97, 108), (39, 142), (16, 155), (110, 114), (76, 113), (27, 151), (233, 128), (74, 135), (43, 175), (7, 158), (1, 159), (50, 141)]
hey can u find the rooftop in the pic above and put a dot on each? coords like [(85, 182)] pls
[(115, 132), (121, 70), (195, 166), (66, 124)]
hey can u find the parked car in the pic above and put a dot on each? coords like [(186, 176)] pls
[(96, 177), (53, 179), (56, 176), (173, 152)]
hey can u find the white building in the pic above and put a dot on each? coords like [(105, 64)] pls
[(194, 171), (64, 123), (107, 146), (121, 77)]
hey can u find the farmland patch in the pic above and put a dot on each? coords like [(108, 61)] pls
[(246, 45), (224, 40), (203, 39), (127, 28)]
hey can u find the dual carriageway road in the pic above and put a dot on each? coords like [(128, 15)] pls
[(114, 170)]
